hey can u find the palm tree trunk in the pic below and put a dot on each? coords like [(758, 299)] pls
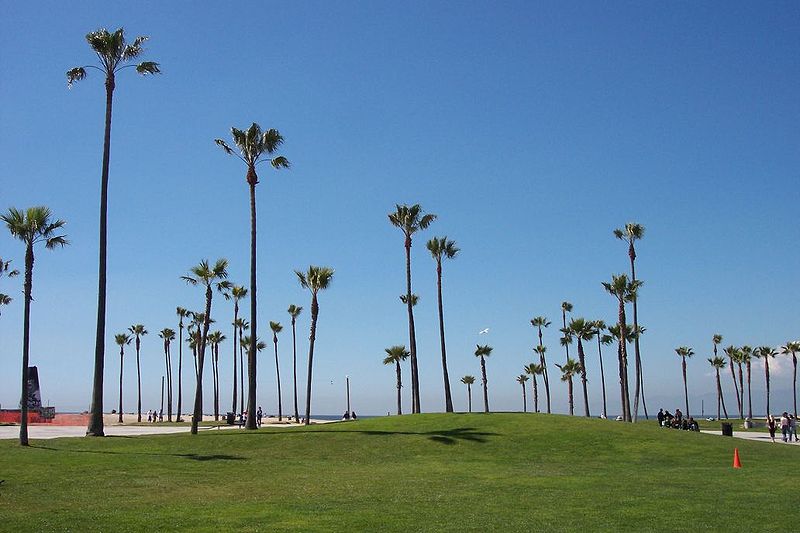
[(399, 386), (685, 387), (721, 397), (570, 397), (26, 340), (749, 393), (412, 337), (637, 358), (602, 375), (545, 375), (469, 397), (311, 338), (485, 387), (564, 321), (197, 416), (241, 371), (735, 385), (235, 319), (582, 359), (121, 357), (278, 372), (623, 365), (535, 395), (251, 353), (741, 390), (139, 381), (169, 382), (766, 374), (294, 373), (794, 383), (448, 400), (95, 427), (215, 369), (180, 372), (524, 399)]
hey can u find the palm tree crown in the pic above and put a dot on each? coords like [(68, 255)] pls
[(35, 225), (255, 146), (114, 53), (395, 354)]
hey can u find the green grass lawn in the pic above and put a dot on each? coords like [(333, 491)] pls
[(504, 472)]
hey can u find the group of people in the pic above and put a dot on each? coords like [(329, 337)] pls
[(155, 416), (349, 415), (677, 421), (788, 425), (243, 417)]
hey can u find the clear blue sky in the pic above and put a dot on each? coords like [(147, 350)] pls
[(531, 129)]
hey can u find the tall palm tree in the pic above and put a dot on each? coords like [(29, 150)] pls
[(182, 313), (395, 355), (602, 340), (522, 379), (624, 291), (566, 340), (717, 363), (440, 247), (583, 330), (469, 381), (730, 351), (294, 311), (32, 226), (315, 279), (534, 369), (746, 355), (410, 220), (114, 55), (631, 233), (738, 359), (483, 352), (568, 371), (168, 335), (765, 353), (277, 328), (121, 339), (540, 322), (215, 338), (242, 325), (792, 347), (208, 276), (254, 147), (237, 293), (684, 352), (138, 331)]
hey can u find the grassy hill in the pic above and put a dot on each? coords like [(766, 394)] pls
[(508, 472)]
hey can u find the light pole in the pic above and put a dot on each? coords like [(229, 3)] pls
[(347, 380)]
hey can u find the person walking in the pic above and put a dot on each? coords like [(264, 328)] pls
[(771, 427), (785, 426), (792, 427)]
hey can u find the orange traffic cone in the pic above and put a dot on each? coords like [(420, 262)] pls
[(736, 462)]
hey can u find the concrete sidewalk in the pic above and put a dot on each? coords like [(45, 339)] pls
[(753, 435), (54, 432)]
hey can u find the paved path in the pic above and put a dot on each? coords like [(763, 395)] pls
[(54, 432), (753, 435)]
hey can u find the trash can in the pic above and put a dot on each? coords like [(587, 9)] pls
[(727, 429), (230, 417)]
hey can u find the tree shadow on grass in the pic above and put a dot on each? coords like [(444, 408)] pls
[(448, 436), (190, 456)]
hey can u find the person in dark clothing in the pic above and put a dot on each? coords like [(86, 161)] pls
[(660, 417)]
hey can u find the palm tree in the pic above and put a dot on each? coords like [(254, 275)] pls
[(411, 220), (765, 353), (442, 247), (121, 339), (469, 381), (138, 331), (569, 370), (602, 340), (522, 379), (684, 352), (624, 291), (114, 55), (395, 355), (215, 338), (583, 330), (32, 226), (208, 276), (540, 322), (315, 279), (746, 354), (731, 353), (237, 293), (242, 325), (254, 147), (294, 312), (534, 370), (182, 313), (631, 233), (168, 336), (792, 347), (566, 340), (483, 352), (277, 328), (719, 362), (738, 359)]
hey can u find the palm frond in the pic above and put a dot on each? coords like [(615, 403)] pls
[(75, 74), (148, 67)]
